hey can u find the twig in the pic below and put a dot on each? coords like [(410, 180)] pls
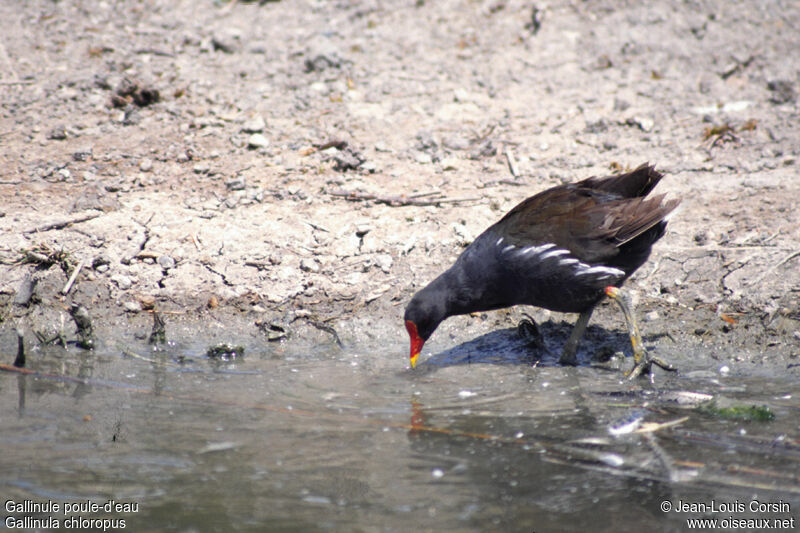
[(317, 226), (19, 82), (260, 265), (72, 277), (423, 194), (397, 201), (155, 52), (486, 184), (328, 329), (736, 66), (62, 223), (774, 267), (19, 362), (512, 163)]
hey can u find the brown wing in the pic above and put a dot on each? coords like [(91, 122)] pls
[(591, 218)]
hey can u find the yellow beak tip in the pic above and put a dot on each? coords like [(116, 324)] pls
[(414, 361)]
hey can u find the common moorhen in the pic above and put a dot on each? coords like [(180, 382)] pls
[(563, 249)]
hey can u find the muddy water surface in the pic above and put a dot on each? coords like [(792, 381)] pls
[(350, 440)]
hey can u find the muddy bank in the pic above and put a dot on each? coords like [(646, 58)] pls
[(270, 169)]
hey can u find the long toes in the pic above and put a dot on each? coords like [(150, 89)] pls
[(645, 367), (639, 369), (528, 332), (663, 364)]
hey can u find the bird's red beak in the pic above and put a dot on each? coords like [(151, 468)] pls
[(416, 342)]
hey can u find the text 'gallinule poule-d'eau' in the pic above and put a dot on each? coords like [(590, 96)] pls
[(563, 249)]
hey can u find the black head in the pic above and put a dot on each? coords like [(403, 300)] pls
[(424, 313)]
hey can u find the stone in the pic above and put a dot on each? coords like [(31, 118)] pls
[(782, 91), (59, 133), (132, 306), (166, 262), (422, 158), (384, 262), (254, 125), (643, 123), (82, 154), (201, 168), (309, 265), (122, 281), (257, 140), (237, 183)]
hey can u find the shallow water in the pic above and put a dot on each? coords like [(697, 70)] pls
[(351, 440)]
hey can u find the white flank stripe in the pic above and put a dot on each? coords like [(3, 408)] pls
[(535, 249), (499, 241), (554, 253), (508, 248), (604, 271)]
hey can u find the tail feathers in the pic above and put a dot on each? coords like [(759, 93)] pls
[(637, 183)]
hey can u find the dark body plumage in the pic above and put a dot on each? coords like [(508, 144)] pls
[(558, 250)]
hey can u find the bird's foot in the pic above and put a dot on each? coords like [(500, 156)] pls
[(643, 361), (568, 358), (528, 332), (643, 365)]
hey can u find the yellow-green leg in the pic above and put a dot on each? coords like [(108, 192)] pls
[(643, 361), (568, 354)]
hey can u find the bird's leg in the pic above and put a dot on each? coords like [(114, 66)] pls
[(643, 361), (568, 354)]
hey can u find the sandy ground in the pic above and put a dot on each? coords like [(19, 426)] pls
[(289, 164)]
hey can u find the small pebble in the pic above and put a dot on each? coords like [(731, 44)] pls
[(254, 125), (701, 238), (201, 168), (384, 262), (83, 154), (146, 164), (782, 91), (147, 301), (122, 281), (257, 141), (237, 183), (309, 265), (423, 158), (166, 262), (59, 133), (132, 307), (643, 123)]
